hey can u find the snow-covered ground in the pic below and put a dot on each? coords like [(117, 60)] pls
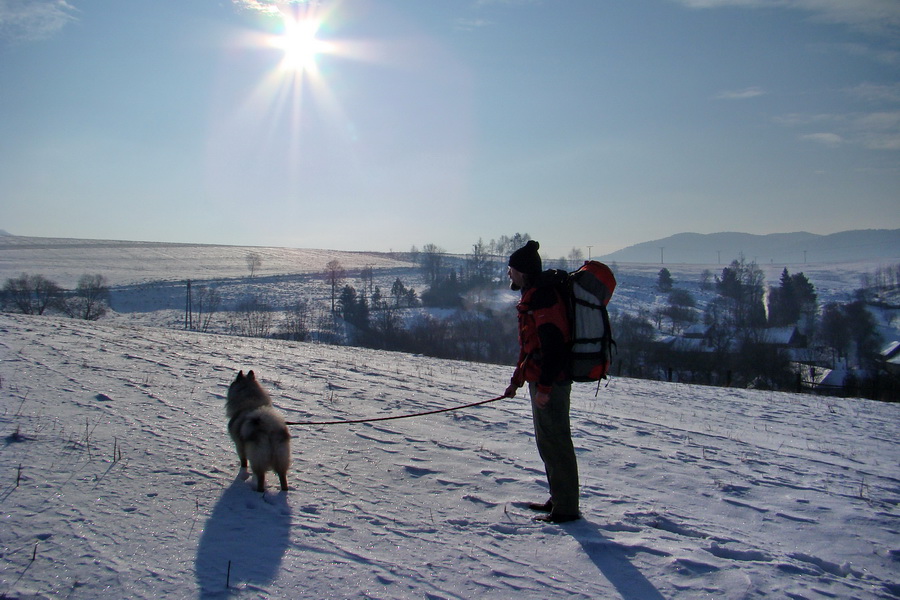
[(133, 263), (147, 279), (118, 480)]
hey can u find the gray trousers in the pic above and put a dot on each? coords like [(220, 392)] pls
[(553, 434)]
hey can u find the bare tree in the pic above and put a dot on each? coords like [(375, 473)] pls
[(207, 303), (254, 262), (296, 324), (576, 257), (431, 261), (334, 275), (367, 276), (31, 294), (254, 317), (91, 299)]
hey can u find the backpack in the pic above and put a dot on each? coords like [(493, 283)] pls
[(589, 290)]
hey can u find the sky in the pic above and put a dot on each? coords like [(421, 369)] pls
[(387, 124)]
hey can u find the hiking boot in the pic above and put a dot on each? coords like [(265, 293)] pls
[(557, 518), (545, 507)]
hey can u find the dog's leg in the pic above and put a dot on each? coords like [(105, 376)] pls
[(260, 480), (243, 473), (242, 453), (282, 476)]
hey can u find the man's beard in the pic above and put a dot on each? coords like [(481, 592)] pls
[(514, 286)]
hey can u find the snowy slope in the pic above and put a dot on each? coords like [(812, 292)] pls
[(119, 481), (122, 262)]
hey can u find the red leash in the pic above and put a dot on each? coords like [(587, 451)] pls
[(373, 419)]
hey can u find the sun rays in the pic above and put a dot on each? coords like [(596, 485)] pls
[(291, 111), (300, 44)]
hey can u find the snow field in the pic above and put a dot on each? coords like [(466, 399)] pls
[(118, 480)]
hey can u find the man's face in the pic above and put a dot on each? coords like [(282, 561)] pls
[(517, 279)]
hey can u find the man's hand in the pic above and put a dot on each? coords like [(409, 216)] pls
[(511, 391), (542, 399)]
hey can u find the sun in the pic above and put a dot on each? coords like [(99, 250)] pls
[(300, 44)]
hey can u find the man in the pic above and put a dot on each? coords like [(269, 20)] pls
[(543, 338)]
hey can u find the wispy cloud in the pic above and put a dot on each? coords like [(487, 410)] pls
[(878, 53), (880, 131), (877, 93), (30, 20), (804, 119), (471, 24), (507, 2), (744, 94), (870, 130), (831, 140), (874, 16), (269, 6)]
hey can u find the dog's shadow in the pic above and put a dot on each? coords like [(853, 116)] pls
[(243, 541)]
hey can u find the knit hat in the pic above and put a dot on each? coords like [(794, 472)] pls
[(526, 259)]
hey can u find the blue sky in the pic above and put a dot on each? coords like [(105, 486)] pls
[(600, 123)]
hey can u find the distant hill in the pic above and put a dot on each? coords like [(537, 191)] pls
[(780, 248)]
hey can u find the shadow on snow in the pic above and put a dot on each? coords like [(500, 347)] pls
[(243, 541)]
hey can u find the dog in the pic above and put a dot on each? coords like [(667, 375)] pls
[(259, 432)]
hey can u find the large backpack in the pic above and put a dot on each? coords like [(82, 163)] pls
[(589, 290)]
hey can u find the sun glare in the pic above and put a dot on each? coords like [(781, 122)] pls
[(300, 44)]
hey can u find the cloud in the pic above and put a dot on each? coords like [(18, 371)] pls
[(885, 56), (471, 24), (267, 6), (831, 140), (507, 2), (750, 92), (873, 16), (880, 93), (870, 130), (879, 131), (32, 20), (800, 119)]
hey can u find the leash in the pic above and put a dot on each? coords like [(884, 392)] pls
[(396, 417)]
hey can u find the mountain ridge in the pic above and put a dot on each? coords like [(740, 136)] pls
[(789, 248), (681, 248)]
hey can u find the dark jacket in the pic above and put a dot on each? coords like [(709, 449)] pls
[(543, 334)]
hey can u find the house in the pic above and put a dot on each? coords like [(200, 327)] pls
[(783, 337), (890, 357)]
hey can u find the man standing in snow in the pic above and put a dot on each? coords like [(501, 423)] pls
[(543, 338)]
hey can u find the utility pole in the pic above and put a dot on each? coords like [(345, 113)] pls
[(188, 309), (589, 252), (661, 258)]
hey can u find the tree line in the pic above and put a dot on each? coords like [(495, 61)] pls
[(734, 325), (37, 295), (735, 329)]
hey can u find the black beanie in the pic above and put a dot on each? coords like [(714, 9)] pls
[(526, 259)]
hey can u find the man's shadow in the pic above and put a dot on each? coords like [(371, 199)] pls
[(243, 542), (614, 562)]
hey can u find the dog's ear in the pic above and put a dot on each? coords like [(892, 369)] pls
[(240, 375), (250, 375)]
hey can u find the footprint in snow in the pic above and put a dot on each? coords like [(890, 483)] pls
[(418, 471)]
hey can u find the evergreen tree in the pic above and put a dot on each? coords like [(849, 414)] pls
[(398, 290), (792, 299), (742, 287), (664, 282), (354, 308)]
